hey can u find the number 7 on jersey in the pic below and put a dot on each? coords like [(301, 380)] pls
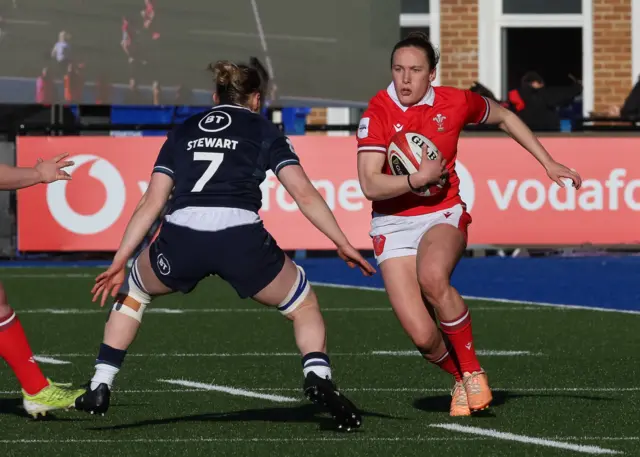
[(216, 159)]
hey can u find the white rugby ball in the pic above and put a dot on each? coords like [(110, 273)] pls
[(404, 155)]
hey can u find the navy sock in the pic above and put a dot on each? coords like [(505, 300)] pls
[(318, 363)]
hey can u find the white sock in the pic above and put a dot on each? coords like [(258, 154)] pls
[(318, 363), (105, 374)]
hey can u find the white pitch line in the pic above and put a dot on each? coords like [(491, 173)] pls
[(263, 40), (166, 310), (524, 439), (65, 311), (230, 390), (496, 353), (26, 22), (493, 299), (478, 352), (50, 360), (388, 390), (373, 289), (349, 439), (295, 38), (47, 275)]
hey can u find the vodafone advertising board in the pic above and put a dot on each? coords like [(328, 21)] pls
[(509, 196)]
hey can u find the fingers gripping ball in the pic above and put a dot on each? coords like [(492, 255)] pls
[(404, 155)]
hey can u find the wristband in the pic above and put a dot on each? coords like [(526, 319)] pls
[(415, 189)]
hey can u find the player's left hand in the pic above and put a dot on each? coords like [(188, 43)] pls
[(108, 283), (353, 258), (557, 172)]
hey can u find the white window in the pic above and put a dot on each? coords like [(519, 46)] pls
[(509, 28), (421, 15)]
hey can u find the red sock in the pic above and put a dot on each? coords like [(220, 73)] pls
[(15, 350), (447, 364), (461, 338)]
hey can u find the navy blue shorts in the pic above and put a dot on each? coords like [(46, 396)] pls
[(247, 257)]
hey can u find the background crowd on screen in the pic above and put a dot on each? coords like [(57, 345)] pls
[(64, 78), (63, 65)]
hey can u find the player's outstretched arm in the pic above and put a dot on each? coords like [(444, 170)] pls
[(145, 214), (379, 186), (315, 209), (45, 171), (518, 130)]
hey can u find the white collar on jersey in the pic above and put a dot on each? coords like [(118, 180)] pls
[(428, 99), (232, 106)]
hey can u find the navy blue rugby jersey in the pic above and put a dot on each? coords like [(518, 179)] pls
[(220, 158)]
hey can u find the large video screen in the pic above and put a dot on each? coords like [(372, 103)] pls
[(328, 52)]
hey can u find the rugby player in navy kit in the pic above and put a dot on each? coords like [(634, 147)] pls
[(214, 164)]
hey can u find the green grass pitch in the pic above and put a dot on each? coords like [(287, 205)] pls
[(562, 376)]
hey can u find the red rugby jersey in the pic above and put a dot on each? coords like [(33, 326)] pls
[(440, 116)]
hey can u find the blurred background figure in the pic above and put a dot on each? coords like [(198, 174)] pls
[(45, 88), (73, 84), (631, 107), (132, 96), (103, 90), (61, 53), (156, 93), (537, 104)]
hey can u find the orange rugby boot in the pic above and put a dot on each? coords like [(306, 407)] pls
[(479, 394), (459, 402)]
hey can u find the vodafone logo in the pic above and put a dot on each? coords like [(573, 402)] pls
[(83, 224), (467, 188)]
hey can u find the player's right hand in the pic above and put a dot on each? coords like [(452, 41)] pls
[(353, 258), (108, 283), (52, 169), (430, 171)]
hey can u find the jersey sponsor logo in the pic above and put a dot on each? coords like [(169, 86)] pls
[(163, 265), (398, 127), (215, 121), (439, 119), (447, 215), (363, 128), (378, 244)]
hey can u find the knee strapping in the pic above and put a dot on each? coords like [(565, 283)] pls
[(297, 294), (134, 299)]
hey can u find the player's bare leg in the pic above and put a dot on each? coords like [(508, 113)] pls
[(438, 253), (39, 394), (400, 279), (291, 293), (120, 331)]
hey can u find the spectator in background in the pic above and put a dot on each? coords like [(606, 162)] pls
[(126, 42), (148, 15), (103, 90), (631, 106), (132, 96), (537, 105), (156, 93), (73, 84), (182, 96), (61, 52), (483, 90), (45, 88)]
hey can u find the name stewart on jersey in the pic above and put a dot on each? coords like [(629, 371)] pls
[(220, 158), (224, 143)]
